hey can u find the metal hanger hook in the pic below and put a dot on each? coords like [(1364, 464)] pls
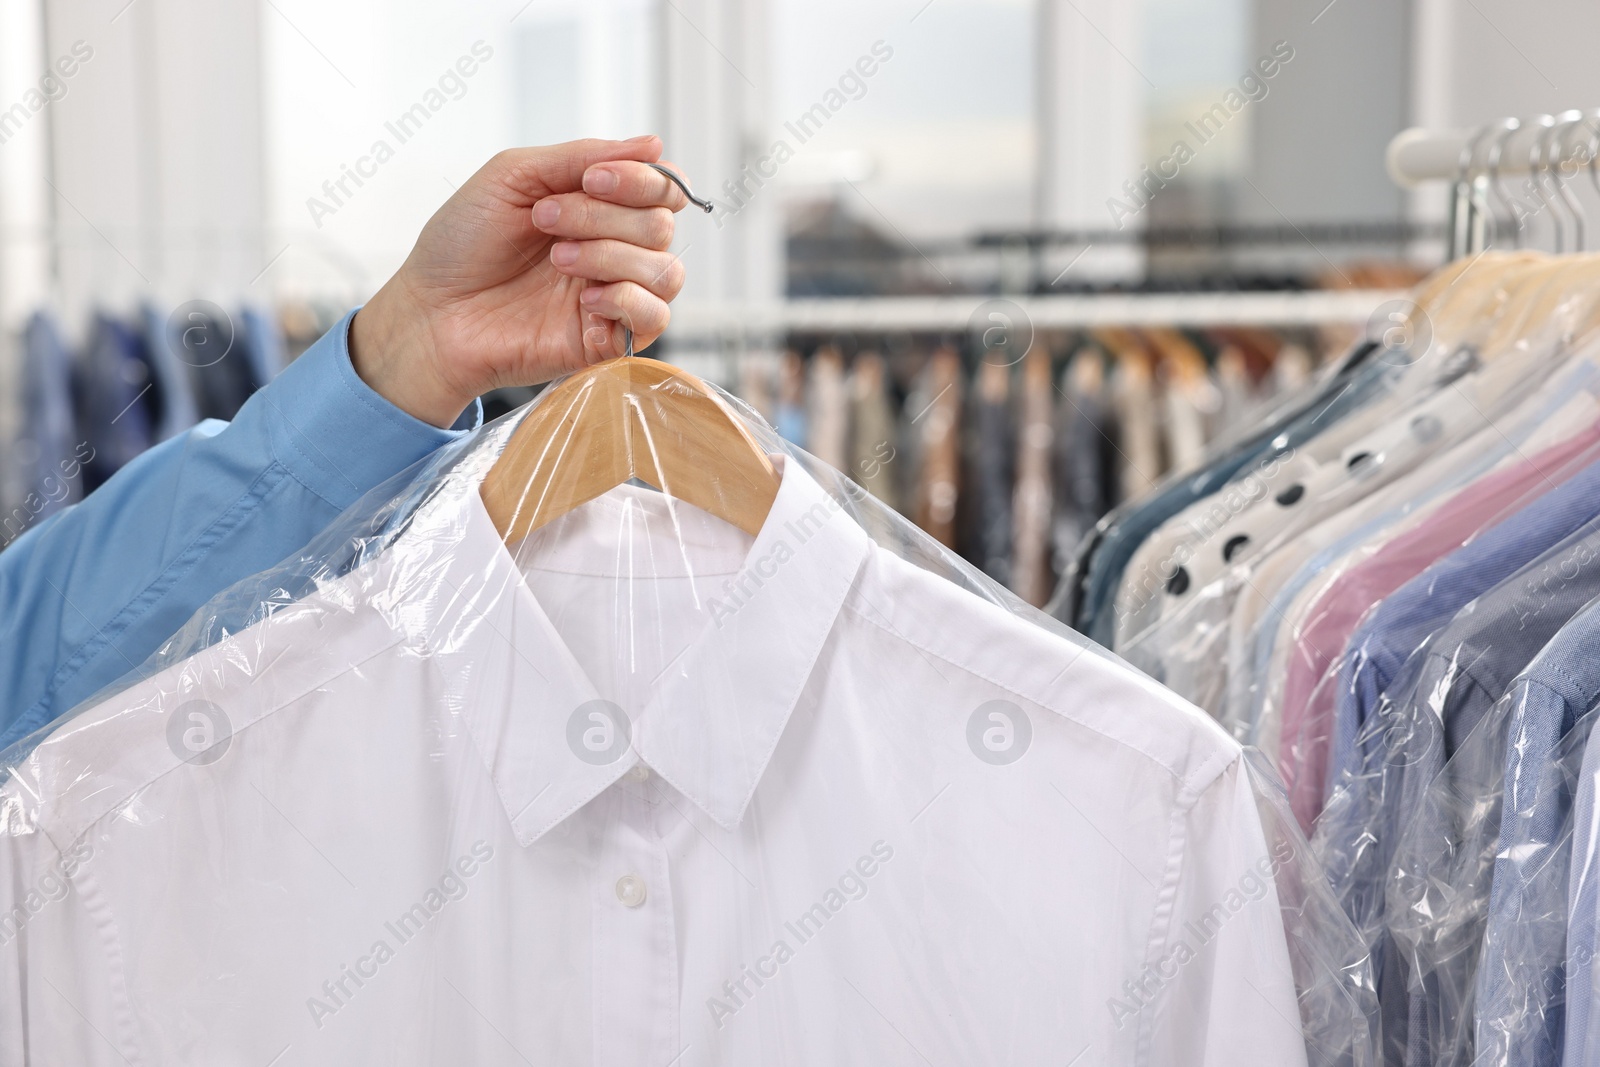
[(1464, 205), (1508, 127), (1594, 151), (1537, 155), (1555, 159), (704, 205)]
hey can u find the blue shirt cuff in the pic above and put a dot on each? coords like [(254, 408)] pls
[(334, 433)]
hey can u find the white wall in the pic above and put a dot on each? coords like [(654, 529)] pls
[(186, 152), (1479, 62), (1090, 116), (26, 264), (150, 160), (1319, 137)]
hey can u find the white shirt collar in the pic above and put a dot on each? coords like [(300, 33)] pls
[(713, 720), (709, 728)]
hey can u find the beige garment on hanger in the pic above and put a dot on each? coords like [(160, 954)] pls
[(938, 482), (1031, 575), (1134, 398), (873, 432), (828, 413)]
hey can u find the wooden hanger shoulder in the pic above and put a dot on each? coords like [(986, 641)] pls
[(623, 419), (1528, 310)]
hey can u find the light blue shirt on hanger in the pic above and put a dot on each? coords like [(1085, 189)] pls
[(89, 592)]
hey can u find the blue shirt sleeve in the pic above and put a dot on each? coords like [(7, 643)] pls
[(90, 592)]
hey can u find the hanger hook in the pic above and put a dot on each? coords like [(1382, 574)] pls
[(704, 205), (1536, 171), (1508, 127), (1555, 161), (1463, 201), (1593, 148)]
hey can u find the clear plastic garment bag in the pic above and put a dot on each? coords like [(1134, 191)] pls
[(1104, 560), (625, 732), (1185, 635)]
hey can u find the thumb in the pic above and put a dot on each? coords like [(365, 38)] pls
[(535, 173)]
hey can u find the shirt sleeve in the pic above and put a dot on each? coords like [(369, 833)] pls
[(46, 932), (1223, 967), (89, 593)]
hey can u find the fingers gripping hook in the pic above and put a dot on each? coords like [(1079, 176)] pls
[(704, 205)]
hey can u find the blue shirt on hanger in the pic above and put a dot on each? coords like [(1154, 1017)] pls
[(1403, 621), (1581, 1037), (1521, 996), (113, 387), (87, 594), (1449, 749), (40, 466), (1354, 838)]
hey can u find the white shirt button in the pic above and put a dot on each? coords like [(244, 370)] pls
[(630, 890), (637, 773)]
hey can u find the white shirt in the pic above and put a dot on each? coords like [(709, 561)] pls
[(407, 845)]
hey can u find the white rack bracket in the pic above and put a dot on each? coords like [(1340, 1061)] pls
[(1417, 156)]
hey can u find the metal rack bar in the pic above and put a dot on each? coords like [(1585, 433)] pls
[(942, 313)]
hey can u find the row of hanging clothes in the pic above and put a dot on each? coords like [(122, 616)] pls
[(1010, 462), (1391, 586), (76, 412)]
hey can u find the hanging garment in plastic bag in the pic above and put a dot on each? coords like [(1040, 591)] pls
[(1521, 1014), (1332, 608), (1105, 557), (1410, 842), (1581, 1040), (1307, 457), (1186, 647), (525, 761), (1484, 851)]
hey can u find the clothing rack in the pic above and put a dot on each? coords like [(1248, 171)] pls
[(1417, 156), (78, 404), (1547, 152), (830, 253), (1067, 311)]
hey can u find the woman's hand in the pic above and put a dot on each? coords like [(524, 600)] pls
[(529, 271)]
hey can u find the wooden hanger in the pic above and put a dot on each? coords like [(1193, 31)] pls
[(1533, 300), (629, 418), (1459, 296), (1485, 265)]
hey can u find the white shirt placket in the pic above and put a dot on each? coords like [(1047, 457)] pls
[(636, 979)]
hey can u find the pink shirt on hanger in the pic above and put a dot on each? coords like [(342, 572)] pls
[(1308, 693)]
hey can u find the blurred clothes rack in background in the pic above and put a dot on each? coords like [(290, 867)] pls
[(1389, 584), (1010, 461), (75, 414)]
